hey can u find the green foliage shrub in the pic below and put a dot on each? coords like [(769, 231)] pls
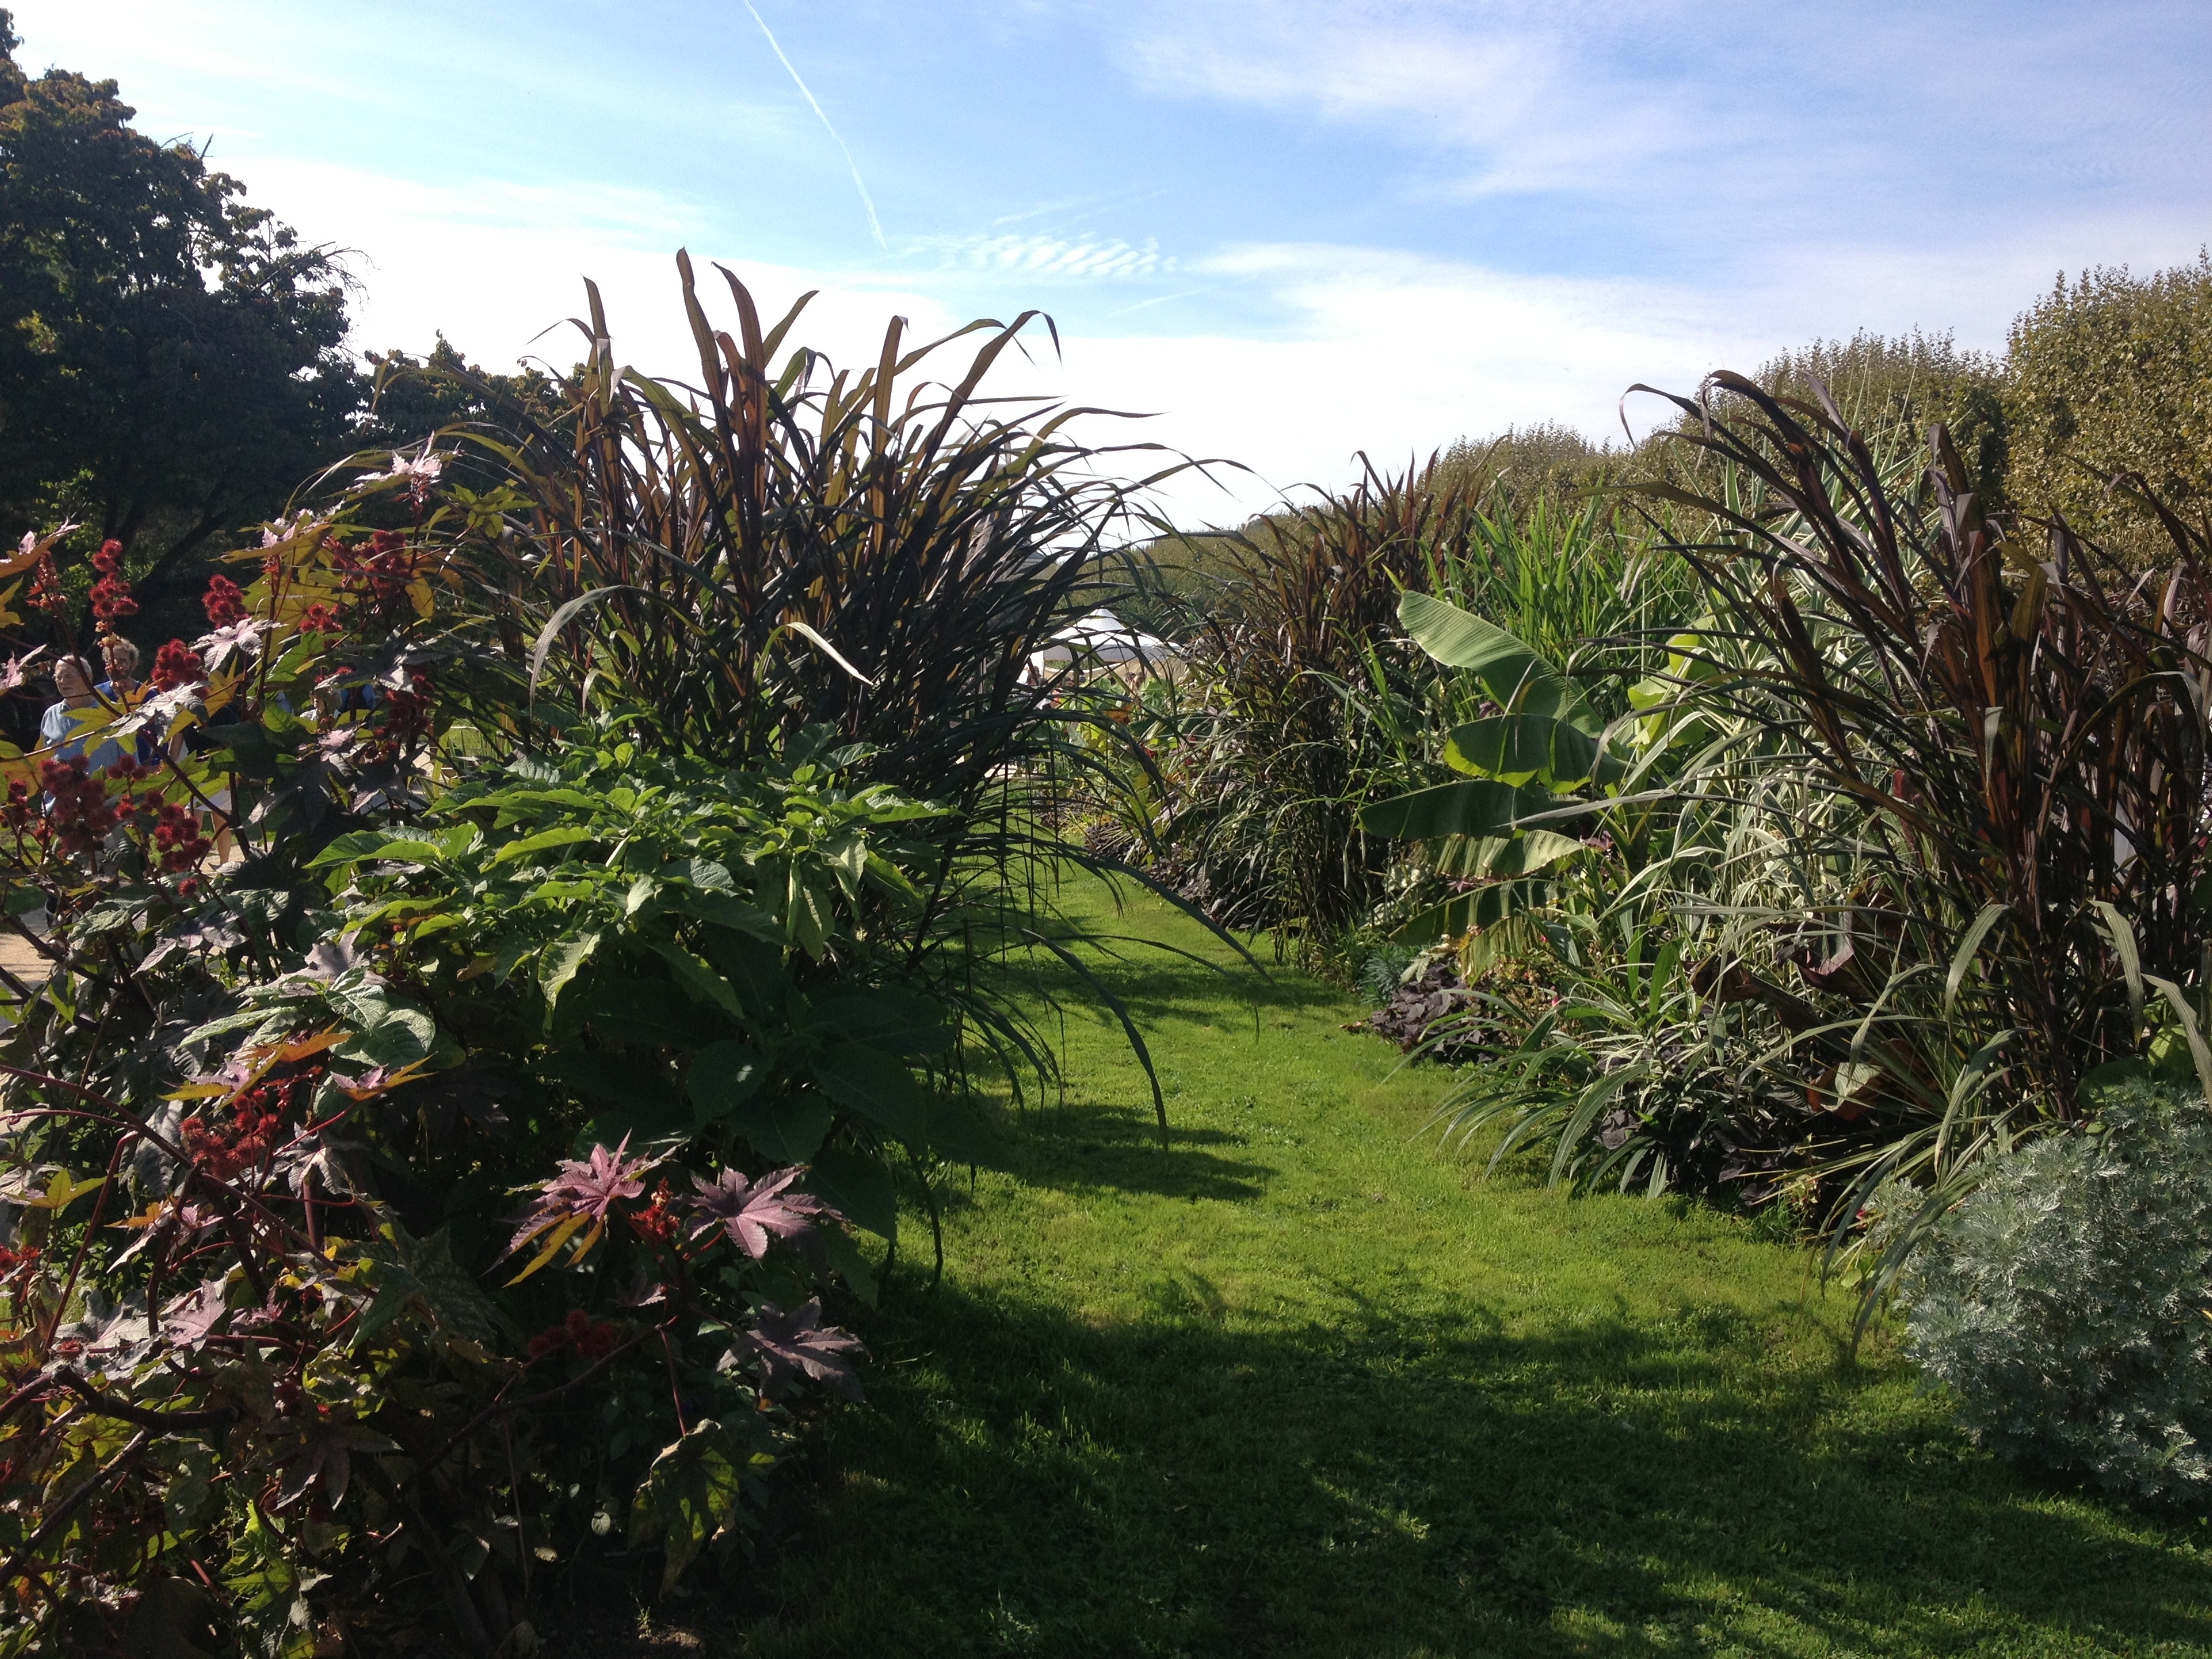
[(1892, 389), (2112, 372), (1385, 968), (582, 885), (2068, 1300), (1546, 460)]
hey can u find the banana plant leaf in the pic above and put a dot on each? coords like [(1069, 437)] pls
[(1512, 673), (1469, 806), (1525, 748)]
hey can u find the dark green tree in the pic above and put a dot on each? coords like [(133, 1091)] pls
[(412, 397), (170, 362)]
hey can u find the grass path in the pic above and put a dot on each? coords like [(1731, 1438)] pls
[(1302, 1386)]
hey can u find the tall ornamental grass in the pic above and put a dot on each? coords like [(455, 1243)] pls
[(1302, 708), (1911, 824)]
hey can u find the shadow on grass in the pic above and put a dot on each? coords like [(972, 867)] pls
[(1025, 1481), (1155, 983), (1074, 1146)]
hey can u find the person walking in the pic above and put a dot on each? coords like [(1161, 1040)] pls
[(68, 726)]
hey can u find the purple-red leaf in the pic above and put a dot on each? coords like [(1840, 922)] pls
[(190, 1319), (585, 1189), (751, 1212), (790, 1345)]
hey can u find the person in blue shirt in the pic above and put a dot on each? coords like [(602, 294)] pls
[(68, 727)]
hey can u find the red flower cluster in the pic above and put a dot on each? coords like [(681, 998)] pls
[(223, 1148), (656, 1224), (47, 586), (224, 600), (123, 804), (112, 601), (409, 714), (593, 1339), (319, 619), (175, 664), (177, 834), (17, 812), (81, 816), (383, 571)]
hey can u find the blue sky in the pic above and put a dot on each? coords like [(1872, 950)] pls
[(1297, 230)]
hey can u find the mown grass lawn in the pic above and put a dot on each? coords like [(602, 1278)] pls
[(1303, 1386)]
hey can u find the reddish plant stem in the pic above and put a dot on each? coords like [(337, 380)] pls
[(101, 1405), (675, 1393), (501, 1407), (59, 1518)]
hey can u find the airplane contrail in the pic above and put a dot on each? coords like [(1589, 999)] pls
[(859, 184)]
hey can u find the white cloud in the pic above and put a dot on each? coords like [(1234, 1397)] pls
[(1682, 123), (1389, 354), (498, 267), (1370, 348), (1047, 255), (1507, 91), (1380, 350)]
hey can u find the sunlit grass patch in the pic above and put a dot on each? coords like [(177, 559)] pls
[(1302, 1385)]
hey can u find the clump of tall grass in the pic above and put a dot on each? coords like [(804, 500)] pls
[(781, 558), (1307, 707), (1907, 839)]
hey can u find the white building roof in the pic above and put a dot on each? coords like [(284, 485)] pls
[(1104, 637)]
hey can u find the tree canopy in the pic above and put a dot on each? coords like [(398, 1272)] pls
[(171, 361)]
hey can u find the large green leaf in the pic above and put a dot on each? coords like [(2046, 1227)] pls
[(545, 841), (391, 1030), (631, 1006), (783, 1124), (1524, 748), (355, 844), (700, 982), (693, 1493), (875, 1085), (1515, 677), (754, 965), (857, 1187), (563, 960), (1524, 854), (724, 910), (1485, 906), (723, 1077), (612, 1078), (407, 1269), (897, 1022), (1471, 806)]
